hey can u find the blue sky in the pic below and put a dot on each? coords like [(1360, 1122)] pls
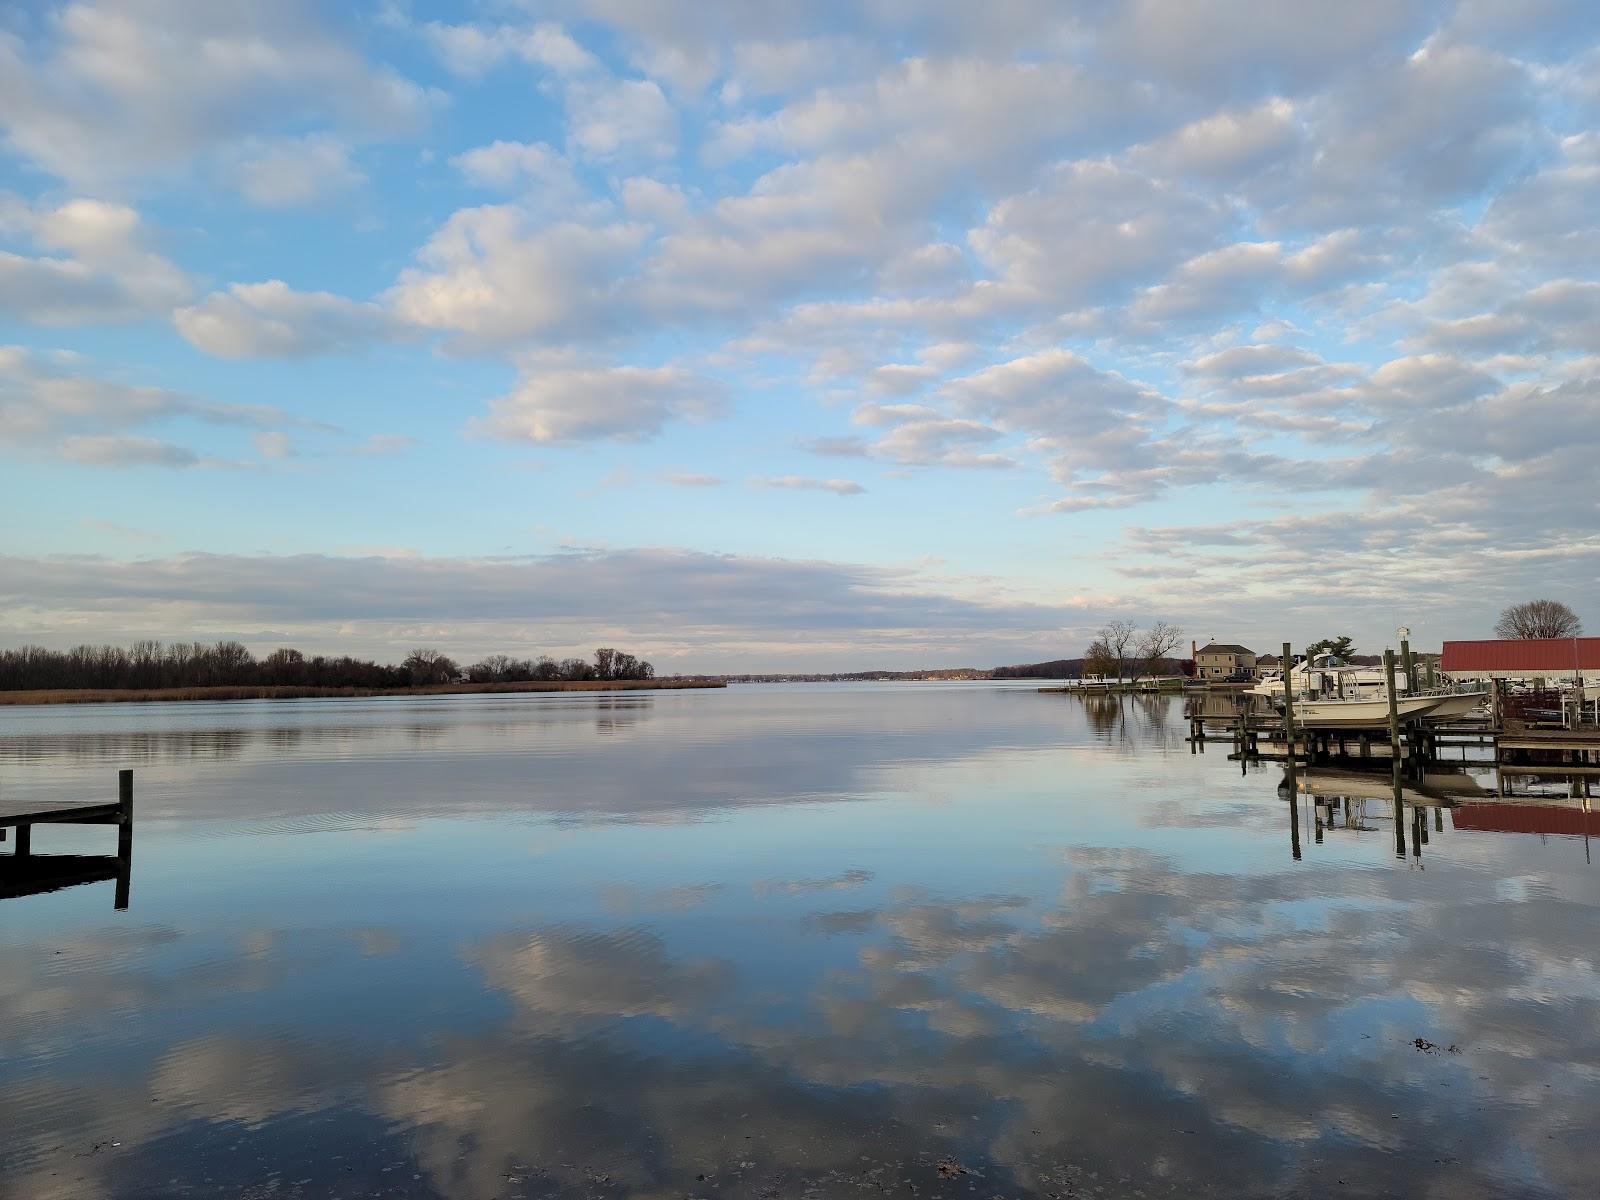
[(756, 335)]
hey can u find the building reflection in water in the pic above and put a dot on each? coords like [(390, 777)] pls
[(1480, 800)]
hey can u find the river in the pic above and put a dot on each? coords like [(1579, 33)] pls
[(779, 940)]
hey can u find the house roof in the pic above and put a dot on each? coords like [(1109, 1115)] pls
[(1550, 656), (1224, 648)]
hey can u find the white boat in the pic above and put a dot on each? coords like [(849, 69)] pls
[(1456, 705), (1332, 714), (1329, 676), (1330, 693)]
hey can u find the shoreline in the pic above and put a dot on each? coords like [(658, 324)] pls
[(292, 692)]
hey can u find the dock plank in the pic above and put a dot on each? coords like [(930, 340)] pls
[(60, 813)]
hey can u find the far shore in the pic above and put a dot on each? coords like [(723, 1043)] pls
[(155, 695)]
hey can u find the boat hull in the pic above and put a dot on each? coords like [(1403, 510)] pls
[(1337, 714), (1463, 705)]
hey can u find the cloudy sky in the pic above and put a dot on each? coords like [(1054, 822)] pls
[(845, 334)]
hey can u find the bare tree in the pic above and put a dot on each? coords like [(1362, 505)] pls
[(1119, 637), (1538, 619), (1098, 659), (1154, 645), (497, 668), (428, 667)]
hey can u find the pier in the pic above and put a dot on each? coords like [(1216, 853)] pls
[(1534, 730), (23, 873)]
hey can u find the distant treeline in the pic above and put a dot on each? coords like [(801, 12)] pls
[(1056, 668), (151, 664)]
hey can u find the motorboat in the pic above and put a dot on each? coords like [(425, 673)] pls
[(1334, 714), (1330, 693), (1328, 675), (1456, 705)]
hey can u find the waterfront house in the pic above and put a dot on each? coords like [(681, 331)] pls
[(1220, 660)]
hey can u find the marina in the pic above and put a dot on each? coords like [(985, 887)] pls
[(1326, 712)]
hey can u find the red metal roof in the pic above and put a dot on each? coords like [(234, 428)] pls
[(1549, 656)]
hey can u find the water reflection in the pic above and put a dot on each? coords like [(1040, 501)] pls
[(1482, 798), (1014, 959), (69, 741), (35, 874)]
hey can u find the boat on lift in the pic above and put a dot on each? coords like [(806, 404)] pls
[(1330, 693), (1330, 675)]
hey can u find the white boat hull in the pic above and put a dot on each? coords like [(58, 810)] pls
[(1332, 714), (1463, 705)]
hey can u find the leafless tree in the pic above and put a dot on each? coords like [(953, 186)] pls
[(1120, 638), (426, 667), (1538, 619), (1098, 659), (1155, 644)]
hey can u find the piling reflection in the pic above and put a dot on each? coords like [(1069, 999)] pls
[(1485, 800), (36, 874)]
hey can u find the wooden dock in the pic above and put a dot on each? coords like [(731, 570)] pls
[(23, 873)]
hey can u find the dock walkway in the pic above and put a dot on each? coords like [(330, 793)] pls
[(22, 873)]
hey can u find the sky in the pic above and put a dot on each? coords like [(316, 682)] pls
[(743, 335)]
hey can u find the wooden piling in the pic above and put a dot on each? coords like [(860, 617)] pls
[(1288, 705), (1409, 664), (1399, 801), (1394, 706), (124, 836)]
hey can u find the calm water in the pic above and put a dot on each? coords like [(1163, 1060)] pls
[(870, 940)]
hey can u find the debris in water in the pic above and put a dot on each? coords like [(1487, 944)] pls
[(1428, 1047)]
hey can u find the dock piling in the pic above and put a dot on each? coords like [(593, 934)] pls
[(1394, 706), (1288, 704)]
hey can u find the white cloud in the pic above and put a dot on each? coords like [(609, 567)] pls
[(561, 405), (294, 171), (97, 265), (475, 49), (1245, 47), (113, 89), (1092, 230), (717, 608), (40, 396), (126, 450), (1226, 144), (619, 118), (272, 320), (493, 276), (803, 483), (662, 204), (516, 166)]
